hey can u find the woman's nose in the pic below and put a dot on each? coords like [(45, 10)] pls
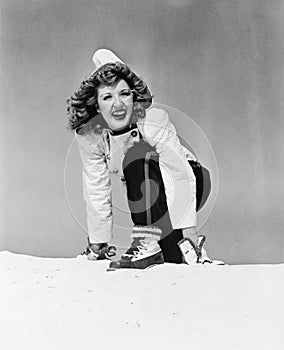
[(117, 101)]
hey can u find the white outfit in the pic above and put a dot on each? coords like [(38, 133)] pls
[(103, 153)]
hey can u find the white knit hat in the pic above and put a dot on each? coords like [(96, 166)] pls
[(103, 56)]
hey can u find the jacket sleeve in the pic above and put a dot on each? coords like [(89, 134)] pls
[(160, 133), (178, 177), (96, 189)]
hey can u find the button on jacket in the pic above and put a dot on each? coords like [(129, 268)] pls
[(102, 154)]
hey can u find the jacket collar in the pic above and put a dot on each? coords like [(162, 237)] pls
[(122, 131)]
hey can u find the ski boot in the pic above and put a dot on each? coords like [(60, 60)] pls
[(196, 254), (143, 252)]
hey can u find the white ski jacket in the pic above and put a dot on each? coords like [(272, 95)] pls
[(102, 154)]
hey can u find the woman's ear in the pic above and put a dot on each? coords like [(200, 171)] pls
[(97, 107), (138, 110)]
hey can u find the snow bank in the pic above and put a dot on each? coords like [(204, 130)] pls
[(75, 303)]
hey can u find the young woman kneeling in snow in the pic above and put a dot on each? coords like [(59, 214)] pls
[(118, 132)]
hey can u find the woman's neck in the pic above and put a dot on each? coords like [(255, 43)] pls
[(124, 129)]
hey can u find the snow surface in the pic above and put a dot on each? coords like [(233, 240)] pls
[(49, 303)]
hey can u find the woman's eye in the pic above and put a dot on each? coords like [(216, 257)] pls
[(107, 97), (126, 93)]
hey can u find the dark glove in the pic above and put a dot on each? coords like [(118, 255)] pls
[(99, 251)]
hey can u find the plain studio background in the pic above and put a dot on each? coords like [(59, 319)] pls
[(219, 61)]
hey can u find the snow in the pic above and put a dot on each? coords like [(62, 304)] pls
[(56, 303)]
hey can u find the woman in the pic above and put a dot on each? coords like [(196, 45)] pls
[(118, 132)]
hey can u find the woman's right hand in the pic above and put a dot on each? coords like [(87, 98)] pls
[(99, 251)]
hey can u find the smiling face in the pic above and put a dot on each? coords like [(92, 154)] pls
[(116, 104)]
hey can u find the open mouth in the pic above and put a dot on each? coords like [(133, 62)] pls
[(119, 114)]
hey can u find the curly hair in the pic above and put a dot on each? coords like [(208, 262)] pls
[(82, 106)]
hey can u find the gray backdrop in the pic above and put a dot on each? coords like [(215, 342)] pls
[(219, 61)]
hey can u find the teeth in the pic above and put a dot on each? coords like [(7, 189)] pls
[(119, 113)]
